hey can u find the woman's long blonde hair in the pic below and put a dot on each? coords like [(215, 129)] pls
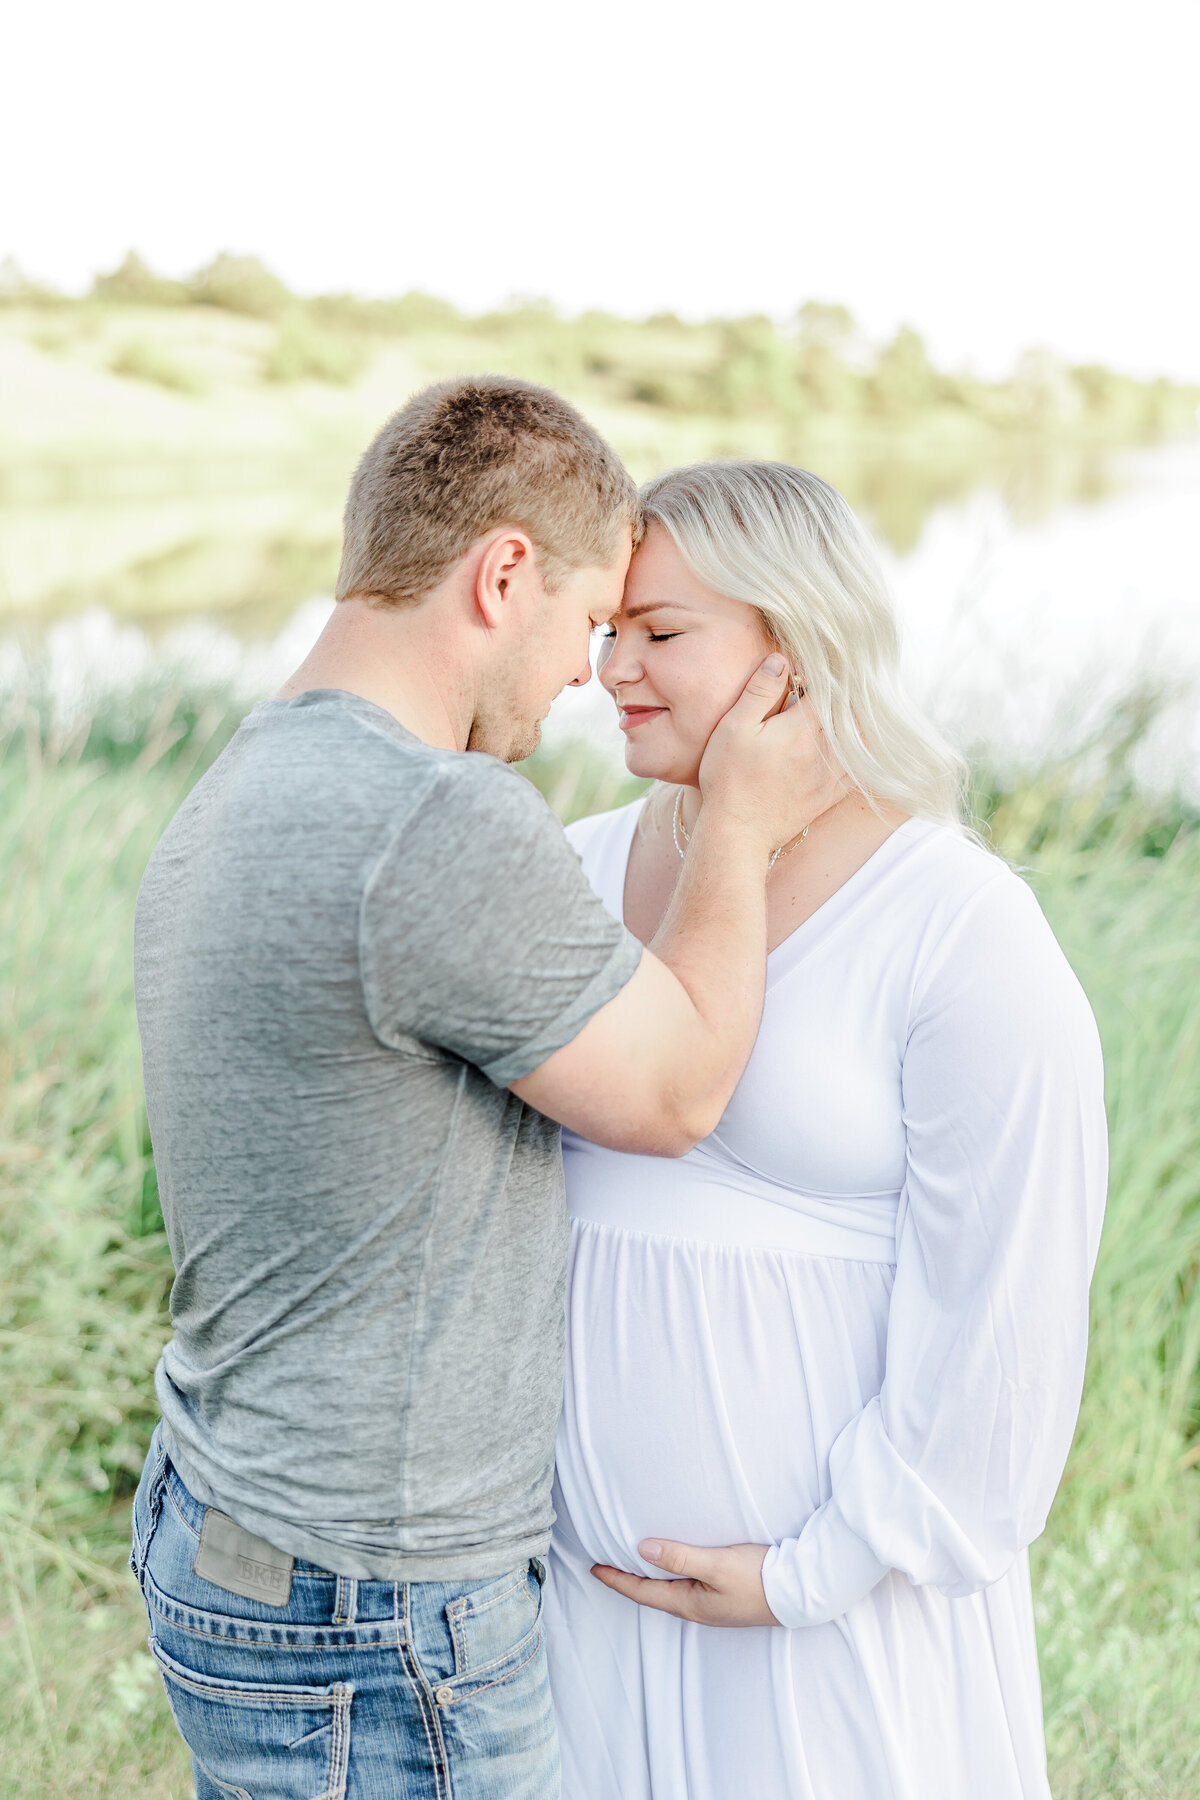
[(786, 543)]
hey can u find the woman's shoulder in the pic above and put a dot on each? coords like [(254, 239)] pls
[(951, 870), (983, 919)]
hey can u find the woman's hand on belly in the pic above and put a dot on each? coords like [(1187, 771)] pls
[(710, 1587)]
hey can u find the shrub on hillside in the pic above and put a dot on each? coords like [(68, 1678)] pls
[(240, 284), (141, 359), (16, 288), (414, 311), (134, 283), (303, 352), (403, 317)]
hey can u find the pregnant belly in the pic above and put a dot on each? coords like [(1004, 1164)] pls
[(705, 1386)]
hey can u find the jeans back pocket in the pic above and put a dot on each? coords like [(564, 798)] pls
[(262, 1742)]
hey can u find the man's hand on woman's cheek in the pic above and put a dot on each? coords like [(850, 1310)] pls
[(711, 1587)]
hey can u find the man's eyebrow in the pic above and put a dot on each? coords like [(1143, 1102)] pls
[(635, 612)]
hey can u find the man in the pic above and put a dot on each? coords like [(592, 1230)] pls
[(371, 982)]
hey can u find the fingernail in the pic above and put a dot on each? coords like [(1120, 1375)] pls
[(651, 1551), (775, 665)]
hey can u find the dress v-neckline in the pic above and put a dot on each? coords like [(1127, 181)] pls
[(819, 923)]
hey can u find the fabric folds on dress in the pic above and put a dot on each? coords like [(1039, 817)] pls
[(850, 1325)]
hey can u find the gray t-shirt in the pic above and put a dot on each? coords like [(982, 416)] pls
[(347, 944)]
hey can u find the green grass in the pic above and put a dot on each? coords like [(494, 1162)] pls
[(84, 1269)]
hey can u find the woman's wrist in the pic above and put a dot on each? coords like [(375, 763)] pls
[(732, 829)]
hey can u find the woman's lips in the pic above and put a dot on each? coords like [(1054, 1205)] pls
[(633, 716)]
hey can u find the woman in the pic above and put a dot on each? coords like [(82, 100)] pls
[(849, 1327)]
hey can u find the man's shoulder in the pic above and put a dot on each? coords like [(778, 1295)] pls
[(328, 746), (321, 771), (321, 728), (463, 778)]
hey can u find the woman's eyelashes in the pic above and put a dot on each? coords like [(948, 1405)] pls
[(655, 637)]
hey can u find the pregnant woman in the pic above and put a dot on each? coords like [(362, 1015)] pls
[(845, 1335)]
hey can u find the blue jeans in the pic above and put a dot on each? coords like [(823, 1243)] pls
[(355, 1690)]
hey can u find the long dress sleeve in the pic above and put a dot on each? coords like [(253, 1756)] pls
[(949, 1472)]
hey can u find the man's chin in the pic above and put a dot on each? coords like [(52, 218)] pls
[(512, 745), (526, 744)]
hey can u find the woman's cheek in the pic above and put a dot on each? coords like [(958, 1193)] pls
[(722, 689), (697, 720)]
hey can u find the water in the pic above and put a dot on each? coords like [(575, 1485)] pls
[(1022, 621)]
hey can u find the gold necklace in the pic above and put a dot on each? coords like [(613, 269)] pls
[(679, 829)]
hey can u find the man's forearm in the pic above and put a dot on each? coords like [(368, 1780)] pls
[(653, 1070), (713, 939)]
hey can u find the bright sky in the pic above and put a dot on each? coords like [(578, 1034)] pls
[(998, 176)]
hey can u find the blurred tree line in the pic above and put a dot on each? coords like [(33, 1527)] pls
[(794, 373)]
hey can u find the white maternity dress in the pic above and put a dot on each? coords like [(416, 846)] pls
[(851, 1325)]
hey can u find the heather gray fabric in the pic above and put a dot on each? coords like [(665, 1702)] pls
[(347, 943)]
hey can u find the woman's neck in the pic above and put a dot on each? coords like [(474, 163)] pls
[(850, 805)]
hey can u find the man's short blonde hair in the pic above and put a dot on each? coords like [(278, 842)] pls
[(465, 456)]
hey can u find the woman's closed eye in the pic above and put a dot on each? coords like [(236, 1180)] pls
[(655, 637)]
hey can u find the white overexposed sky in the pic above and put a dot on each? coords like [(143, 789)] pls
[(1000, 176)]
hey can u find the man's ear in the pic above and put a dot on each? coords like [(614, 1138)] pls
[(506, 564)]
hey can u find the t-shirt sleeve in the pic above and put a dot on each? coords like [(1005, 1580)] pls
[(479, 933)]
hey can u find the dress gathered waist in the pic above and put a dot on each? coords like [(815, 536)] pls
[(702, 1198)]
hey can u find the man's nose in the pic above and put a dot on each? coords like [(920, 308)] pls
[(584, 675)]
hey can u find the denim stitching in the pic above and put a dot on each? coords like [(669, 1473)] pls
[(225, 1637), (345, 1605), (457, 1612), (409, 1664), (264, 1694), (339, 1758), (500, 1679), (478, 1606), (239, 1793), (333, 1642), (468, 1604), (462, 1662), (486, 1668), (339, 1702)]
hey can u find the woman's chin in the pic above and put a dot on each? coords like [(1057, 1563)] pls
[(670, 770)]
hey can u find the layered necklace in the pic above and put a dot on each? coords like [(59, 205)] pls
[(680, 831)]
